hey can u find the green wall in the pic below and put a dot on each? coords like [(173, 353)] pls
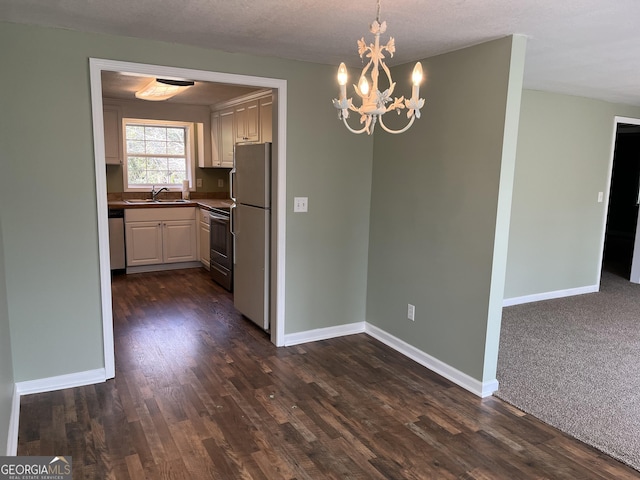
[(439, 208), (6, 364), (48, 199), (563, 161)]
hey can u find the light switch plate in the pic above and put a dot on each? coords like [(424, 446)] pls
[(411, 312), (300, 204), (198, 182), (221, 182)]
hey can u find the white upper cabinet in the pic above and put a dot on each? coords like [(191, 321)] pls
[(247, 123), (241, 121), (222, 139), (226, 137), (215, 141), (266, 119), (112, 119)]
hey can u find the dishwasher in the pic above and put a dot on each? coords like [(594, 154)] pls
[(116, 239)]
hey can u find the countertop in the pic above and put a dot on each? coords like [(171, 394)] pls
[(207, 203)]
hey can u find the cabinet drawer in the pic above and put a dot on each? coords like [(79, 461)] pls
[(220, 259), (204, 215), (152, 214)]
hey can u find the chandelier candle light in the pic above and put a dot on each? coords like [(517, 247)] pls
[(373, 102)]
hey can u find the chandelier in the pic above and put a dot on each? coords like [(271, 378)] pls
[(374, 103)]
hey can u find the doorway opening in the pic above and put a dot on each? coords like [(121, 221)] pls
[(279, 88), (621, 252)]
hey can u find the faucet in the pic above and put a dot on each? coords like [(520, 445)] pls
[(154, 193)]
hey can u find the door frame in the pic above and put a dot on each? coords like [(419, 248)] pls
[(636, 250), (278, 219)]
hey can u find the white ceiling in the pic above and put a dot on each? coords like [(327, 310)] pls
[(588, 48), (125, 85)]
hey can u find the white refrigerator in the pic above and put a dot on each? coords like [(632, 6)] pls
[(251, 229)]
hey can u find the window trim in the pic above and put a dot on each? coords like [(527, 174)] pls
[(190, 153)]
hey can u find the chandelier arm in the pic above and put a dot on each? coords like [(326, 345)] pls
[(386, 129), (358, 132), (366, 68), (388, 72), (357, 87)]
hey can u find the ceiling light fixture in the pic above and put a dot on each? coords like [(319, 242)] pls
[(162, 89), (373, 102)]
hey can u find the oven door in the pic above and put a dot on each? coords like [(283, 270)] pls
[(221, 262)]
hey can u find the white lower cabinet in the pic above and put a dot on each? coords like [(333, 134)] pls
[(157, 236), (144, 243), (205, 246), (179, 241)]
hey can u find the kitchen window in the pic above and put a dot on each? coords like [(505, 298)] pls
[(157, 154)]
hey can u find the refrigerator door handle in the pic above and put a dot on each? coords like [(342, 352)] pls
[(233, 233), (232, 174), (231, 215)]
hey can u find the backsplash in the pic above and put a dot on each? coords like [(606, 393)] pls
[(117, 196), (210, 178)]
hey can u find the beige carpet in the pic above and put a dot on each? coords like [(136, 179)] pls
[(575, 364)]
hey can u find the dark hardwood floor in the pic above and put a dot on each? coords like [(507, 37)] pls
[(200, 393)]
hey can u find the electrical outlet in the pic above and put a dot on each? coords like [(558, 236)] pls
[(221, 182), (300, 204), (411, 312), (198, 182)]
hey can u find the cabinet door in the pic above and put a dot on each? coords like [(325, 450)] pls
[(144, 243), (240, 123), (252, 123), (112, 135), (226, 138), (205, 247), (215, 140), (246, 120), (266, 119), (179, 241)]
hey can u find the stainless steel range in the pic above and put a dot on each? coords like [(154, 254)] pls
[(221, 263)]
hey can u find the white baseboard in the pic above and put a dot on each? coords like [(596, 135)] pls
[(89, 377), (323, 333), (12, 436), (60, 382), (42, 385), (456, 376), (481, 389), (537, 297)]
